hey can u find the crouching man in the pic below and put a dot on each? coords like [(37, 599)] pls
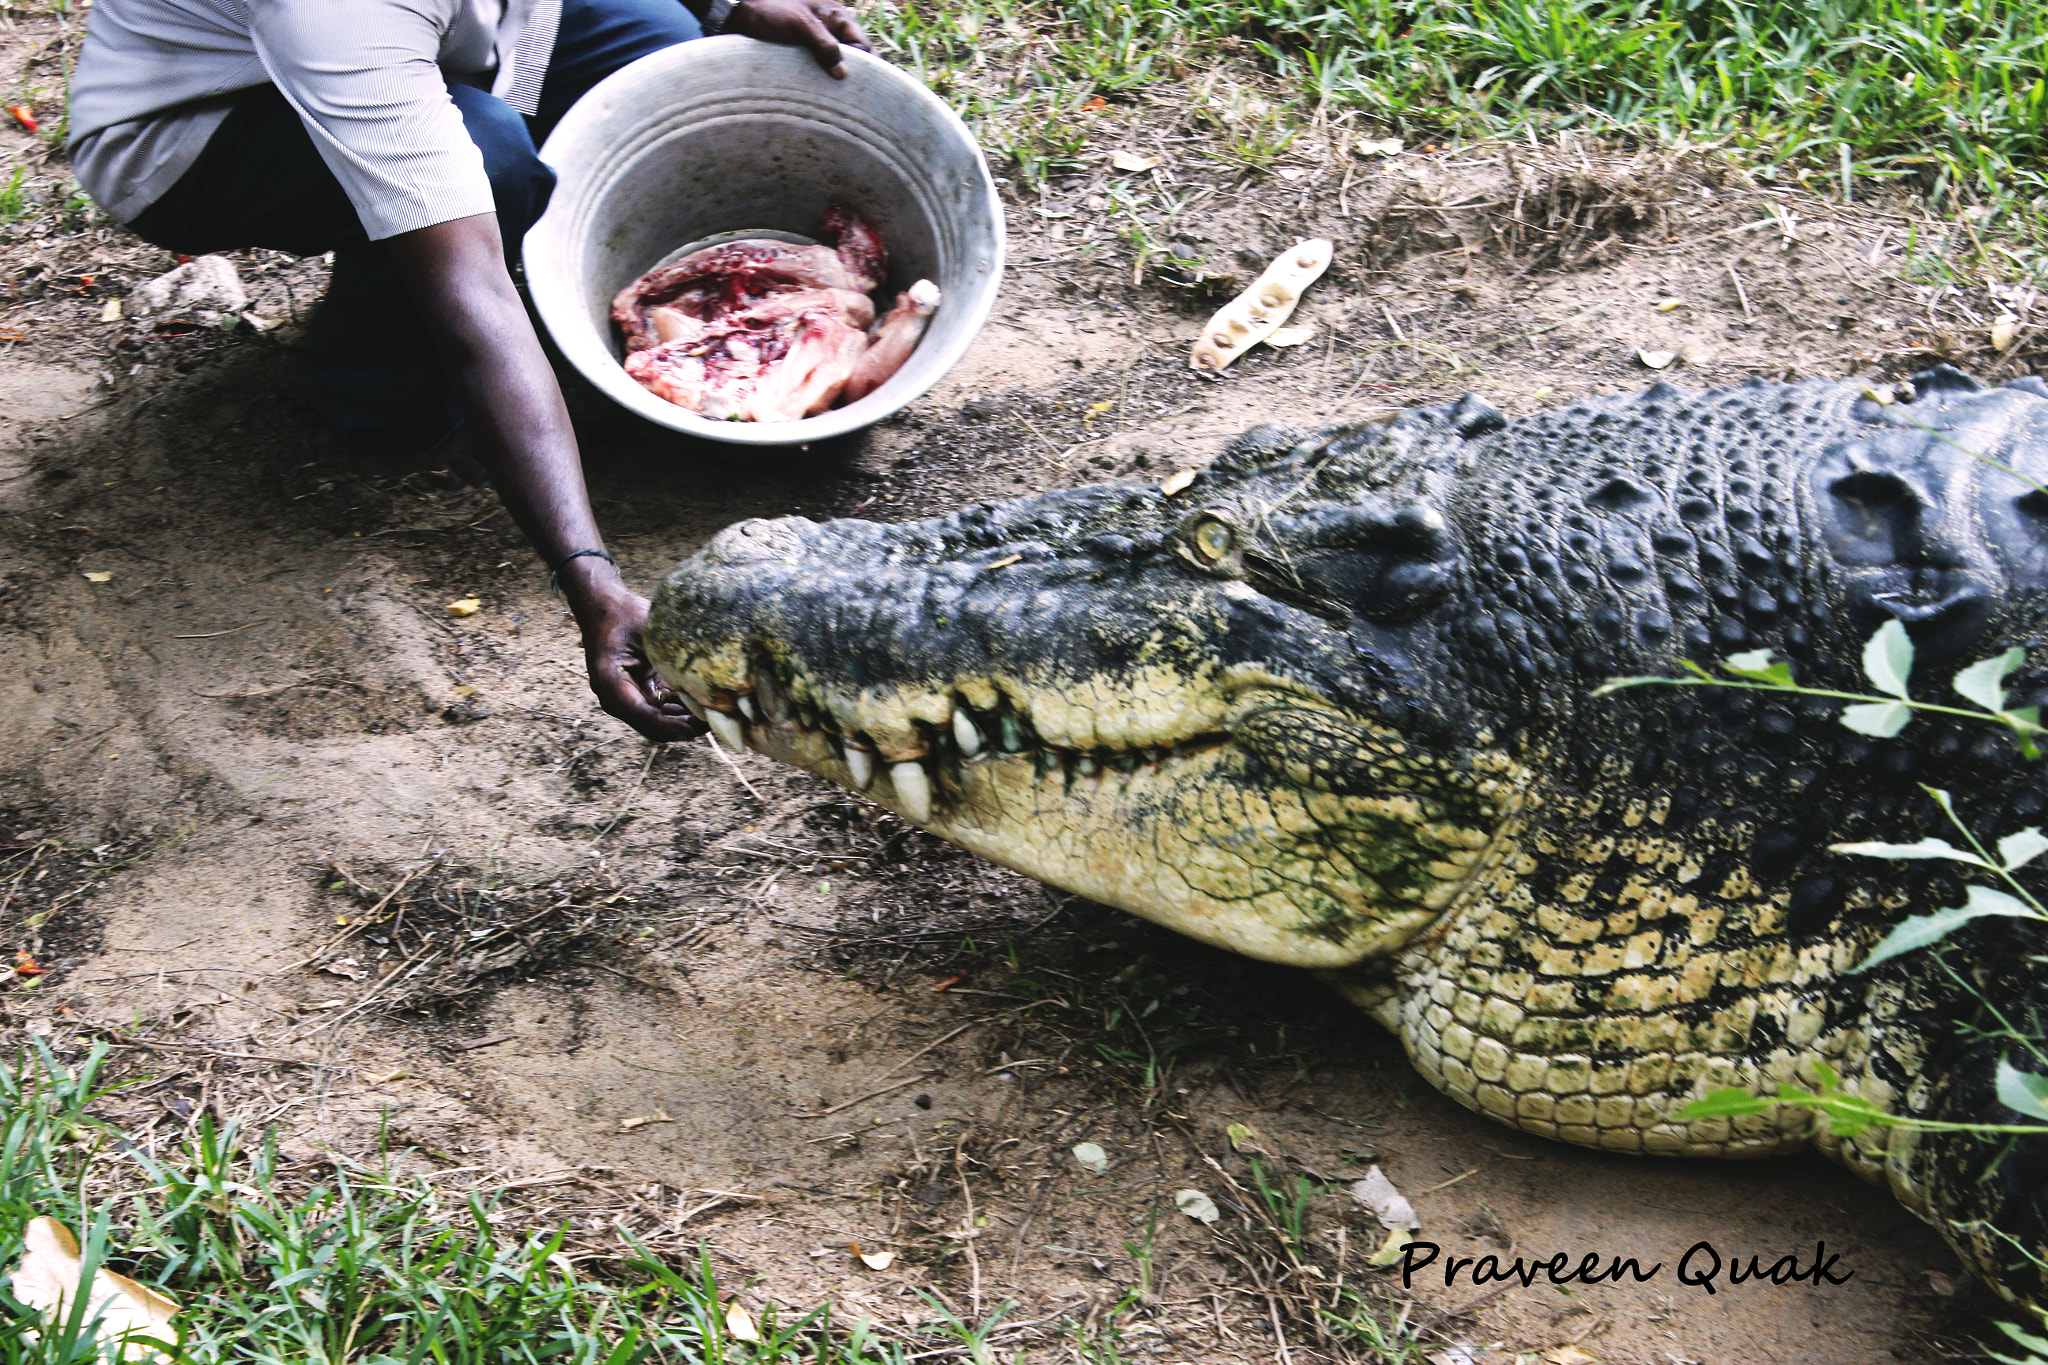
[(400, 135)]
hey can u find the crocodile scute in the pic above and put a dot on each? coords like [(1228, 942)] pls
[(1334, 703)]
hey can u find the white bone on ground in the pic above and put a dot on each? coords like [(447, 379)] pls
[(1259, 310)]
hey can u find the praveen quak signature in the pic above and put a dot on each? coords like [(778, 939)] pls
[(1702, 1267)]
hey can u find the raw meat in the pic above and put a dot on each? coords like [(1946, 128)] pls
[(756, 330)]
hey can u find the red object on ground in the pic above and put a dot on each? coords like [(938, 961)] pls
[(22, 115), (756, 330), (27, 965)]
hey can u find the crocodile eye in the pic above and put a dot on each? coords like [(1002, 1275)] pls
[(1213, 540)]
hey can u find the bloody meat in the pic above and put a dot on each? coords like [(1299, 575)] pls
[(757, 330)]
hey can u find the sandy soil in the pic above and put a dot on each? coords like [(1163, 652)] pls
[(697, 996)]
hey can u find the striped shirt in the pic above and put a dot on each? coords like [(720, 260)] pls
[(368, 77)]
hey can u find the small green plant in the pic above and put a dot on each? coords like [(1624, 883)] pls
[(1888, 664), (14, 200)]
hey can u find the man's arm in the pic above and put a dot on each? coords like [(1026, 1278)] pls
[(519, 429)]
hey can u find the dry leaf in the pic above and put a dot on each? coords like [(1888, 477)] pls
[(1656, 360), (49, 1273), (1390, 1250), (2004, 332), (1092, 1158), (1290, 172), (1666, 305), (1131, 161), (110, 311), (1258, 312), (1569, 1355), (1289, 336), (385, 1077), (740, 1322), (642, 1120), (465, 606), (1176, 481), (261, 323), (98, 577), (1378, 1195), (1386, 147), (1197, 1206), (875, 1260), (345, 967)]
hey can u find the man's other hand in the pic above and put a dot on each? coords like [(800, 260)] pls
[(817, 25)]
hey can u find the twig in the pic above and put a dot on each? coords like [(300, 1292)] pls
[(1446, 1184), (1741, 294), (620, 813), (827, 1113), (368, 917), (281, 687), (216, 1052), (719, 751), (968, 1230), (216, 634)]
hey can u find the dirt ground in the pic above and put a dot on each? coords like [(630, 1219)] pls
[(310, 850)]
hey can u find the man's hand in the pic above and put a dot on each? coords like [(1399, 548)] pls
[(611, 618), (818, 25)]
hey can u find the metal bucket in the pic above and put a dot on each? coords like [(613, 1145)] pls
[(728, 133)]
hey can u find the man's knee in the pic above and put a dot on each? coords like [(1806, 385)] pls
[(520, 181)]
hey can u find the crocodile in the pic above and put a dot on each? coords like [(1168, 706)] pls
[(1334, 702)]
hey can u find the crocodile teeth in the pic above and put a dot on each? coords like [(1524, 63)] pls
[(1011, 734), (965, 734), (913, 791), (860, 766), (729, 730), (748, 709), (1086, 766), (774, 701), (690, 703)]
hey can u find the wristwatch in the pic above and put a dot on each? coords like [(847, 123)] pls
[(716, 18)]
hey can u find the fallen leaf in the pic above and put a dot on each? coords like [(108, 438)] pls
[(1290, 336), (261, 323), (1656, 360), (1385, 147), (949, 983), (50, 1272), (1290, 172), (110, 311), (1176, 481), (27, 965), (99, 577), (1096, 410), (875, 1260), (1092, 105), (1092, 1158), (1131, 161), (641, 1121), (22, 115), (1666, 305), (1391, 1249), (1569, 1355), (385, 1077), (1383, 1201), (1197, 1206), (344, 967), (1239, 1134), (2003, 332), (465, 606), (740, 1322)]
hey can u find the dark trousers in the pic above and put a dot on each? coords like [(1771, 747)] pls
[(261, 183)]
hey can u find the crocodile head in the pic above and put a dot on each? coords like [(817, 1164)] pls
[(1220, 707)]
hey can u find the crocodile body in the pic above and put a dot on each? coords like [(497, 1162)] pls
[(1333, 704)]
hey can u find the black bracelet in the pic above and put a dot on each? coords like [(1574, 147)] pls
[(555, 574)]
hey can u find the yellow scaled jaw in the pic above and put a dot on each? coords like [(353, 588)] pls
[(1193, 836)]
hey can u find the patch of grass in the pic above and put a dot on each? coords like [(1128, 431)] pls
[(366, 1264), (1950, 97)]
